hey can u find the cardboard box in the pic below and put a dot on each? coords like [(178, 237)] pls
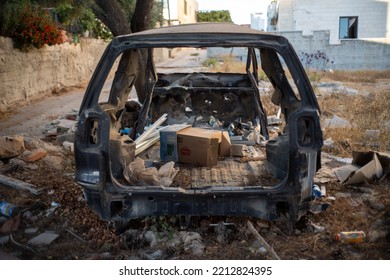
[(365, 167), (198, 146), (224, 146), (168, 142)]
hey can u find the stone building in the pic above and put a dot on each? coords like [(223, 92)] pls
[(180, 11)]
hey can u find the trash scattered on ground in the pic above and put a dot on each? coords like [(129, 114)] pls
[(44, 239), (318, 207), (4, 240), (136, 173), (264, 243), (351, 236), (240, 150), (8, 209), (336, 121), (31, 230), (222, 231), (63, 125), (316, 192), (34, 155), (18, 184), (156, 255), (192, 241), (11, 146), (257, 247), (316, 228), (336, 88), (10, 225), (68, 145), (54, 205), (366, 167)]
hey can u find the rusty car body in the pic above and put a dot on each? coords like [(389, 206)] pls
[(102, 151)]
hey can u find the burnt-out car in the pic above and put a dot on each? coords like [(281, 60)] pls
[(119, 174)]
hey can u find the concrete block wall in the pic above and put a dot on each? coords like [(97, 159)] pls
[(352, 54), (28, 76)]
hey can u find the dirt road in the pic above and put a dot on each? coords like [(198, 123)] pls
[(32, 118)]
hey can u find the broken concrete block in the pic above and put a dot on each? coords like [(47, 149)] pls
[(11, 146), (240, 150), (35, 155), (69, 137), (336, 121), (7, 256), (68, 145), (43, 239), (30, 230), (237, 150), (4, 240), (65, 125), (11, 225)]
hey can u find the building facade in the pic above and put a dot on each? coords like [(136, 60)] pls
[(346, 19), (345, 35), (180, 11), (258, 21)]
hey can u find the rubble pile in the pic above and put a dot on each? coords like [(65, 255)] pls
[(55, 222)]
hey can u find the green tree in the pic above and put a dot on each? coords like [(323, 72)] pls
[(214, 16)]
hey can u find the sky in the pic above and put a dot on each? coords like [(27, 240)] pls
[(240, 10)]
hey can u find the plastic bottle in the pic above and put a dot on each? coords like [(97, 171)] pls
[(351, 236), (8, 209)]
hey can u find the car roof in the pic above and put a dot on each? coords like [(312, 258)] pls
[(203, 27), (206, 31)]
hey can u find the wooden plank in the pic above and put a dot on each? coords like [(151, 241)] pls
[(18, 184), (269, 249)]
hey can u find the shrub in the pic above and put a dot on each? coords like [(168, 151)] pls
[(10, 15), (35, 29)]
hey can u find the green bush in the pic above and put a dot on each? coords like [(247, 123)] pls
[(28, 24), (10, 15)]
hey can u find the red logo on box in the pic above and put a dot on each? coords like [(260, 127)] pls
[(185, 151)]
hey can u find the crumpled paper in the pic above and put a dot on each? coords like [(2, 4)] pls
[(136, 173)]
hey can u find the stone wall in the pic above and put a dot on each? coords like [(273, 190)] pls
[(39, 72)]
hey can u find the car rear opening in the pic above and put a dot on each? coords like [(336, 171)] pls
[(229, 131)]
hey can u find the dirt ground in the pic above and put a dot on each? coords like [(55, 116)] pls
[(61, 209)]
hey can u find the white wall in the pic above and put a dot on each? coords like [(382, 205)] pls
[(177, 11), (258, 21), (310, 15)]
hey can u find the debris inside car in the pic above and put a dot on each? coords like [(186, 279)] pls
[(198, 143)]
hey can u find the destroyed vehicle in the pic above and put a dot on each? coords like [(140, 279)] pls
[(136, 95)]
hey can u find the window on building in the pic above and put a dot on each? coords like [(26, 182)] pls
[(185, 7), (348, 28)]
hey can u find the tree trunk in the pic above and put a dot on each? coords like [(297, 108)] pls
[(113, 16), (141, 21), (142, 15)]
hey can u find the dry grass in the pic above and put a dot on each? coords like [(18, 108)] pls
[(365, 113), (367, 110), (228, 64), (360, 76)]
